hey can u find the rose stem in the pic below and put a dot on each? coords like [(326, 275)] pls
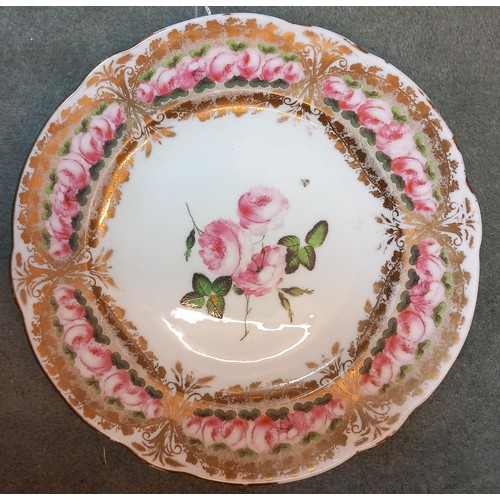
[(247, 312), (194, 223)]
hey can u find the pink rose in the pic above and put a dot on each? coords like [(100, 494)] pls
[(115, 383), (70, 311), (164, 81), (133, 397), (426, 295), (102, 128), (115, 114), (250, 63), (93, 359), (64, 295), (319, 419), (429, 247), (263, 435), (59, 227), (430, 267), (262, 209), (294, 427), (59, 249), (192, 427), (373, 114), (381, 373), (233, 433), (347, 97), (427, 206), (335, 408), (293, 72), (78, 333), (264, 272), (224, 247), (89, 147), (222, 64), (414, 326), (273, 68), (190, 71), (399, 350), (408, 168), (210, 430), (73, 171), (418, 189), (63, 201), (153, 408), (394, 140), (145, 92)]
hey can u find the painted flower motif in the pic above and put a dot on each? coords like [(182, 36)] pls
[(164, 81), (409, 168), (249, 63), (115, 383), (294, 427), (224, 247), (418, 189), (429, 247), (335, 408), (262, 209), (319, 419), (210, 430), (347, 97), (59, 227), (146, 92), (93, 359), (192, 427), (427, 206), (73, 172), (430, 267), (70, 311), (190, 71), (233, 433), (293, 72), (115, 114), (63, 201), (133, 397), (273, 68), (263, 435), (88, 146), (373, 114), (60, 250), (222, 64), (394, 140), (264, 272), (426, 295), (399, 351), (414, 326), (65, 295), (153, 408), (102, 128), (78, 333), (381, 373)]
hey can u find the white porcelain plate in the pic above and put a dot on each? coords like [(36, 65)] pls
[(246, 249)]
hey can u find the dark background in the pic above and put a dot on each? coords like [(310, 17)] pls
[(451, 443)]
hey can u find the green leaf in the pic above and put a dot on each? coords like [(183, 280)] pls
[(440, 308), (236, 80), (312, 436), (296, 291), (335, 423), (398, 180), (246, 453), (194, 300), (219, 447), (443, 255), (279, 83), (139, 415), (147, 75), (94, 384), (408, 202), (414, 254), (384, 159), (289, 57), (437, 313), (404, 371), (419, 142), (369, 135), (200, 52), (73, 242), (100, 110), (421, 348), (398, 115), (371, 94), (236, 46), (436, 194), (317, 235), (216, 305), (53, 175), (429, 171), (352, 83), (69, 351), (267, 49), (222, 285), (351, 116), (280, 448), (392, 326), (291, 242), (292, 261), (379, 347), (307, 257), (332, 103), (201, 284), (413, 279), (285, 303), (237, 291), (134, 377), (65, 149), (172, 63), (190, 241), (405, 301)]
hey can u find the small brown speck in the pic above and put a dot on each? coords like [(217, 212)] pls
[(305, 182)]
